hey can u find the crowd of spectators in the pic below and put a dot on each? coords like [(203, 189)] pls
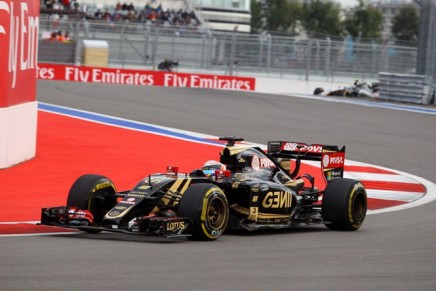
[(60, 36), (152, 13)]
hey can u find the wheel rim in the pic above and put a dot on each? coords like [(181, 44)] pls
[(216, 213), (359, 207)]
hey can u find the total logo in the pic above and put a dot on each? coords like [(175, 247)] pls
[(20, 28)]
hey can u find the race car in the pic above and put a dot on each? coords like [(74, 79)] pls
[(358, 89), (255, 189)]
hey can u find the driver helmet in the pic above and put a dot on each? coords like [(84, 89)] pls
[(211, 166)]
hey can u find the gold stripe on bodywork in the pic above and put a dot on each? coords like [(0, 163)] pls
[(237, 149), (188, 182), (177, 184)]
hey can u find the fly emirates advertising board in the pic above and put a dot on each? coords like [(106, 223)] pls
[(142, 77), (19, 26)]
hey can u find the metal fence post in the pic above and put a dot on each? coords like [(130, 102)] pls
[(154, 50), (327, 58), (120, 49), (374, 59), (203, 50), (232, 54), (173, 47), (308, 58), (146, 43), (268, 55), (384, 60), (318, 52), (259, 58), (211, 41), (77, 39)]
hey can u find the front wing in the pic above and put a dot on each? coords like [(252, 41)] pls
[(168, 227)]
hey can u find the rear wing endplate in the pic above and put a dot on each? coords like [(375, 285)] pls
[(331, 157)]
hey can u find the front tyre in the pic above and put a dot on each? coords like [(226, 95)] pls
[(94, 193), (206, 205), (344, 204)]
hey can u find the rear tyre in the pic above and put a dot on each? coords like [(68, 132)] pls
[(344, 205), (206, 205), (318, 91), (94, 193)]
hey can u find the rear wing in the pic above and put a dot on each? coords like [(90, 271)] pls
[(331, 158)]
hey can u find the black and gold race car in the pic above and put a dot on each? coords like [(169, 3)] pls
[(256, 190)]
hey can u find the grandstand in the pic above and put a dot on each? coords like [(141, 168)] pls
[(229, 15), (219, 15), (139, 4)]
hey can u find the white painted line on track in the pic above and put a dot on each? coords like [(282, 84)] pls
[(19, 222), (394, 195), (34, 223), (38, 234), (382, 177), (368, 103)]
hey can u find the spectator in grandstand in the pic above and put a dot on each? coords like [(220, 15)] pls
[(67, 36), (131, 16), (75, 6), (106, 15), (53, 36), (118, 6), (54, 19), (49, 4), (66, 4), (58, 36), (98, 14), (131, 7)]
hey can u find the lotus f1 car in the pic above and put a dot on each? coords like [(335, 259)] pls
[(257, 190)]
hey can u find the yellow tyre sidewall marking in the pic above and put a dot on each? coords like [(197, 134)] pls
[(354, 224), (203, 217)]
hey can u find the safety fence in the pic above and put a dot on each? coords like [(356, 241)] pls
[(231, 53)]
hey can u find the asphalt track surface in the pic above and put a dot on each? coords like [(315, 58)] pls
[(392, 251)]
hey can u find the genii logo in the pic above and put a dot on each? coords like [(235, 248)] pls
[(19, 30)]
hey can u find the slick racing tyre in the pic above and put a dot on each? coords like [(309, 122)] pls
[(206, 205), (94, 193), (344, 204), (318, 91)]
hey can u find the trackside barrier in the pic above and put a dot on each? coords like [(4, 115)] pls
[(19, 26), (406, 88), (103, 75)]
